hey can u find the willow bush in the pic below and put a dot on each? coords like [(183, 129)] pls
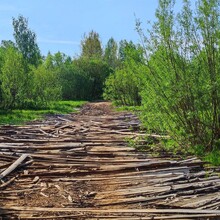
[(123, 86), (182, 84)]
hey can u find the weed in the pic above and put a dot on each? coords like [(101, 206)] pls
[(20, 116)]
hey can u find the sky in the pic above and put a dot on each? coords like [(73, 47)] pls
[(61, 24)]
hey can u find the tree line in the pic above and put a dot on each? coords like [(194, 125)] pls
[(176, 75), (30, 80)]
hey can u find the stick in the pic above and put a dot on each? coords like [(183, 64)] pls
[(7, 183), (13, 166)]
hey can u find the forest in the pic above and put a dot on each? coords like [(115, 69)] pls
[(172, 76)]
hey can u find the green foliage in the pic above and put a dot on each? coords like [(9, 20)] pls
[(72, 80), (111, 53), (24, 81), (25, 88), (91, 45), (213, 157), (29, 82), (93, 73), (129, 51), (61, 69), (182, 85), (7, 43), (65, 106), (124, 85), (26, 41), (22, 116), (46, 86), (82, 78), (12, 79)]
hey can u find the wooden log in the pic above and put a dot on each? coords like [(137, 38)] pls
[(14, 165), (108, 211), (106, 217), (7, 183)]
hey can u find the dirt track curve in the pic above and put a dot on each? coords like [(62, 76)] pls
[(78, 166)]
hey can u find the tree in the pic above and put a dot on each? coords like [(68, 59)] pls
[(111, 53), (124, 85), (7, 43), (94, 73), (13, 79), (122, 46), (26, 41), (46, 86), (208, 19), (91, 45), (183, 82), (128, 50), (61, 66)]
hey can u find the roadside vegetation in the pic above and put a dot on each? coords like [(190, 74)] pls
[(32, 85), (20, 116), (172, 78)]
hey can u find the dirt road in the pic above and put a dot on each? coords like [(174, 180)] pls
[(78, 166)]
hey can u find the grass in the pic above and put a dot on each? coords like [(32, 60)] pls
[(213, 158), (20, 116)]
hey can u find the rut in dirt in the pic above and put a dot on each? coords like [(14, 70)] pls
[(78, 166)]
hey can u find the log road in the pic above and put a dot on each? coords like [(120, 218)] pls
[(78, 166)]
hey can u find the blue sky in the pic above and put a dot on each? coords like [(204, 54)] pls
[(61, 24)]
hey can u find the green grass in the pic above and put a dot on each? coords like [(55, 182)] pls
[(65, 107), (213, 158), (21, 116)]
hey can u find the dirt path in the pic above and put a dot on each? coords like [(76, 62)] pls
[(79, 167)]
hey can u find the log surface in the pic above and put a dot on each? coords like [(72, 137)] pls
[(79, 166)]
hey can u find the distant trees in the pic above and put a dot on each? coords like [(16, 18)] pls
[(12, 79), (93, 73), (24, 80), (81, 78), (124, 85), (89, 70), (28, 80), (111, 53), (91, 45), (26, 41), (45, 85)]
